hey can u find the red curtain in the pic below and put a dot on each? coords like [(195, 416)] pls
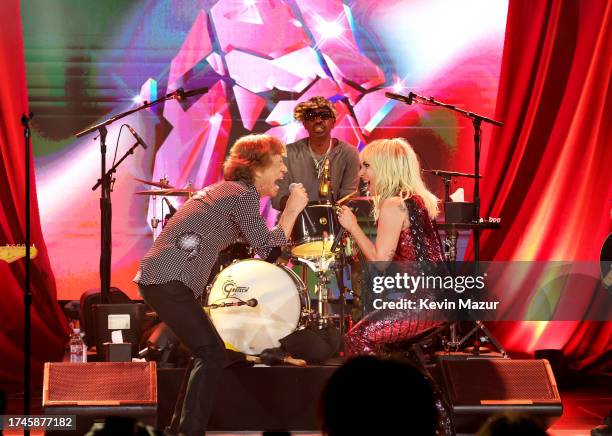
[(49, 327), (548, 170)]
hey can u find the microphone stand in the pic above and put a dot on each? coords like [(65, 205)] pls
[(477, 121), (106, 179), (27, 293)]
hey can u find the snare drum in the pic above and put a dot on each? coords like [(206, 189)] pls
[(314, 231), (282, 304)]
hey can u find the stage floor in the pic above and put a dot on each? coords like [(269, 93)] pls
[(583, 409)]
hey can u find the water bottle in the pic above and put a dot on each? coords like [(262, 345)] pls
[(82, 336), (76, 346)]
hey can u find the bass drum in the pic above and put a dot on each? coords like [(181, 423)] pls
[(282, 304)]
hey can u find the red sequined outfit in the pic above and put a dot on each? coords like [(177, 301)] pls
[(417, 244)]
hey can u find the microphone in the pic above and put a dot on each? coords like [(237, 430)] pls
[(171, 209), (404, 99), (442, 173), (251, 303), (137, 136), (181, 94)]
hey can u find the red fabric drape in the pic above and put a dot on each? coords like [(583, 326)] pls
[(547, 172), (49, 327)]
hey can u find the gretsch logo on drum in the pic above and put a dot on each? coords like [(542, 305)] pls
[(229, 287)]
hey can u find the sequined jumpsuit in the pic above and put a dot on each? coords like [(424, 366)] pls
[(418, 244)]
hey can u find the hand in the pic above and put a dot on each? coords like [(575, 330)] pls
[(298, 198), (347, 218)]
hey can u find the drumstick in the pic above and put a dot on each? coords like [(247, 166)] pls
[(312, 226), (346, 197)]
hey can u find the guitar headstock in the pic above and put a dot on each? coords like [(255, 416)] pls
[(11, 253)]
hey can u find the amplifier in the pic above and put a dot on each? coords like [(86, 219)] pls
[(94, 390), (478, 388)]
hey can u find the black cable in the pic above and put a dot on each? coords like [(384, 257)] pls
[(163, 219), (117, 144)]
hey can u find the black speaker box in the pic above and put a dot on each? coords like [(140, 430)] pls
[(87, 301), (479, 388), (125, 317)]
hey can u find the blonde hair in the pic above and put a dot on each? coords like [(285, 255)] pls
[(398, 173)]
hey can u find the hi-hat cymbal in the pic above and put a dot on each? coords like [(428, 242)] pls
[(163, 183), (168, 192)]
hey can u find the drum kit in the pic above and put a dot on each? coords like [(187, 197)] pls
[(163, 190), (252, 303)]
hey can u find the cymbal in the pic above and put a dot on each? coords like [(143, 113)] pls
[(168, 192), (163, 183)]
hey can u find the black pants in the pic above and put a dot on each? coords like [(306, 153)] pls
[(176, 306)]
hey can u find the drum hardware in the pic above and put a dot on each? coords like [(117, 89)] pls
[(322, 291), (154, 222), (339, 265), (251, 303), (320, 266), (165, 184), (317, 247)]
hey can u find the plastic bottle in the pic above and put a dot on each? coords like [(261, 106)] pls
[(76, 346), (82, 336)]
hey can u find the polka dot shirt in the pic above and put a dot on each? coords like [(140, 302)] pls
[(189, 245)]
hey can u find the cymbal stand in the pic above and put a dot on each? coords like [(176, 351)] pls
[(339, 265), (321, 269), (154, 220)]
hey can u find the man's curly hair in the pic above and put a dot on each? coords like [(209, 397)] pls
[(250, 153), (313, 104)]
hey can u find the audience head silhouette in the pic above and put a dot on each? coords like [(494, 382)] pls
[(368, 395)]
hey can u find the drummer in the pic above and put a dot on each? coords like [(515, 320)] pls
[(306, 157), (174, 272)]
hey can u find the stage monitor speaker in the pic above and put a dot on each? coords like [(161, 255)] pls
[(479, 388), (94, 390)]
